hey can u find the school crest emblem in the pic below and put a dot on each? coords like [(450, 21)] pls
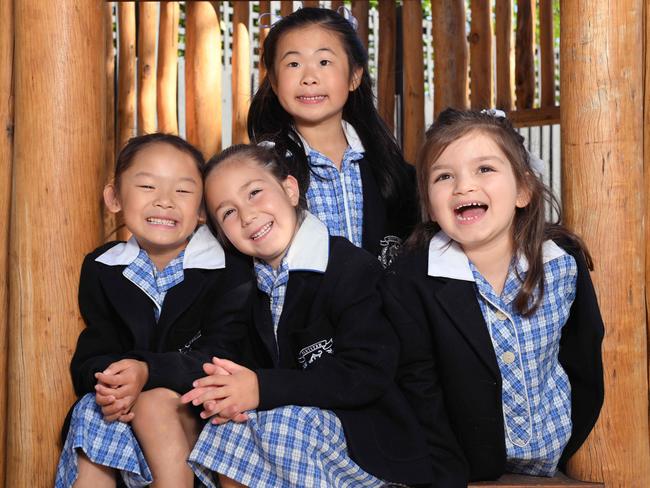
[(313, 352)]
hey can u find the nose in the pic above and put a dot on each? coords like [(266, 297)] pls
[(464, 184), (164, 200), (309, 77), (247, 216)]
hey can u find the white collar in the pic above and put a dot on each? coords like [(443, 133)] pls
[(447, 259), (309, 250), (350, 135), (203, 251)]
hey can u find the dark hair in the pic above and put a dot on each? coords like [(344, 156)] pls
[(266, 158), (530, 226), (268, 120), (138, 143)]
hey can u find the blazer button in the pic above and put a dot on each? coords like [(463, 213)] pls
[(508, 357), (500, 315)]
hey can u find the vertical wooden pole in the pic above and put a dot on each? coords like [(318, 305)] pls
[(547, 51), (6, 157), (480, 42), (646, 162), (386, 68), (602, 126), (241, 73), (505, 83), (360, 9), (265, 8), (335, 4), (525, 54), (110, 222), (167, 75), (450, 54), (286, 7), (203, 77), (413, 130), (147, 29), (60, 88), (310, 3), (125, 73)]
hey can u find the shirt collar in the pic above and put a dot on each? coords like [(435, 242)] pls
[(350, 135), (447, 259), (203, 251), (309, 250)]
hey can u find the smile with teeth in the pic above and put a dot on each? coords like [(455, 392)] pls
[(262, 232), (312, 99), (159, 221), (467, 212)]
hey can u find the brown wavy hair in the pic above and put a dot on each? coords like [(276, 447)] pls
[(530, 228)]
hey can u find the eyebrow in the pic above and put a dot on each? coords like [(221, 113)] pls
[(298, 53), (478, 159), (188, 179), (241, 188)]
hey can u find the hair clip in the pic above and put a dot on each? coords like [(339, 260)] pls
[(345, 12), (266, 144), (269, 23), (536, 164)]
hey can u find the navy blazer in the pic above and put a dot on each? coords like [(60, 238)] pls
[(341, 308), (449, 359)]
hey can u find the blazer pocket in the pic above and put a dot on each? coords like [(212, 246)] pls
[(310, 344)]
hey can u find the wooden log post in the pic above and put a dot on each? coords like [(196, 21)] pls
[(525, 54), (241, 74), (603, 195), (109, 218), (203, 77), (360, 9), (504, 64), (265, 8), (147, 30), (125, 73), (386, 68), (167, 74), (646, 158), (60, 87), (6, 159), (286, 7), (547, 52), (413, 121), (336, 4), (450, 54), (480, 42)]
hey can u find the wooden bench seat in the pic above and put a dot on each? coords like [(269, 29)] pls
[(520, 481)]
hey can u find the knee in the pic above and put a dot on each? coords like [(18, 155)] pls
[(156, 405)]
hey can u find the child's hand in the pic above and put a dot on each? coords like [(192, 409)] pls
[(118, 387)]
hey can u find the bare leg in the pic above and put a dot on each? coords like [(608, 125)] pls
[(226, 482), (93, 475), (166, 432)]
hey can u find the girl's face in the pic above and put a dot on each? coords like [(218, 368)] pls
[(255, 211), (160, 197), (312, 77), (473, 193)]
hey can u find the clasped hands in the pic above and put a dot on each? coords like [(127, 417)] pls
[(118, 387)]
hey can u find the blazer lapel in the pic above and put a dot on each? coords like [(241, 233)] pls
[(374, 210), (264, 325), (459, 301)]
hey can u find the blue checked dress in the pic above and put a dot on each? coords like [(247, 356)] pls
[(536, 394), (113, 444), (288, 446)]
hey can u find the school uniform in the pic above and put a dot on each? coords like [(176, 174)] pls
[(329, 412), (172, 319), (519, 395)]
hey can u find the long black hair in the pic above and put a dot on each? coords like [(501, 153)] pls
[(268, 120)]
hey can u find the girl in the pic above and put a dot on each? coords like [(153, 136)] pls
[(328, 413), (500, 300), (316, 105), (151, 305)]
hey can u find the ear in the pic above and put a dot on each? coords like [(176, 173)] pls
[(523, 197), (355, 80), (202, 215), (111, 199), (290, 185)]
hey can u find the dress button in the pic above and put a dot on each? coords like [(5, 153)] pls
[(508, 357), (500, 315)]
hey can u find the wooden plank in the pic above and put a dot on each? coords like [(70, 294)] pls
[(147, 29), (504, 55), (125, 73), (386, 68), (525, 54), (646, 157), (6, 163), (450, 54), (265, 8), (604, 201), (360, 9), (310, 3), (60, 87), (286, 7), (241, 76), (167, 75), (521, 481), (547, 53), (413, 122), (109, 219), (480, 45), (203, 77), (534, 116)]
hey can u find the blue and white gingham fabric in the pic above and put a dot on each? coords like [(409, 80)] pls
[(536, 393), (282, 448), (142, 273), (336, 197), (274, 284), (110, 444)]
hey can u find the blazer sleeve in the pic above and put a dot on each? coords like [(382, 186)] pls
[(418, 379), (362, 365)]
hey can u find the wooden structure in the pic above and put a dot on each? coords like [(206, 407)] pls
[(62, 127)]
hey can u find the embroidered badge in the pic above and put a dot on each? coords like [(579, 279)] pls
[(389, 248), (309, 354)]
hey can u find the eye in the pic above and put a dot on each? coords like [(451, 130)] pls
[(181, 190), (442, 177), (325, 62), (227, 213), (293, 64), (254, 192), (146, 187), (486, 169)]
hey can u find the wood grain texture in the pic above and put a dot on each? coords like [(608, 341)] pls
[(603, 196), (126, 73), (525, 54), (286, 7), (203, 77), (147, 33), (646, 160), (521, 481), (504, 55), (109, 218), (60, 87), (241, 74), (547, 53), (360, 9), (167, 73), (480, 46), (386, 68), (413, 123)]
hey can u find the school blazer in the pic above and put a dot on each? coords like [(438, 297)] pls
[(332, 323), (207, 310), (448, 358)]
